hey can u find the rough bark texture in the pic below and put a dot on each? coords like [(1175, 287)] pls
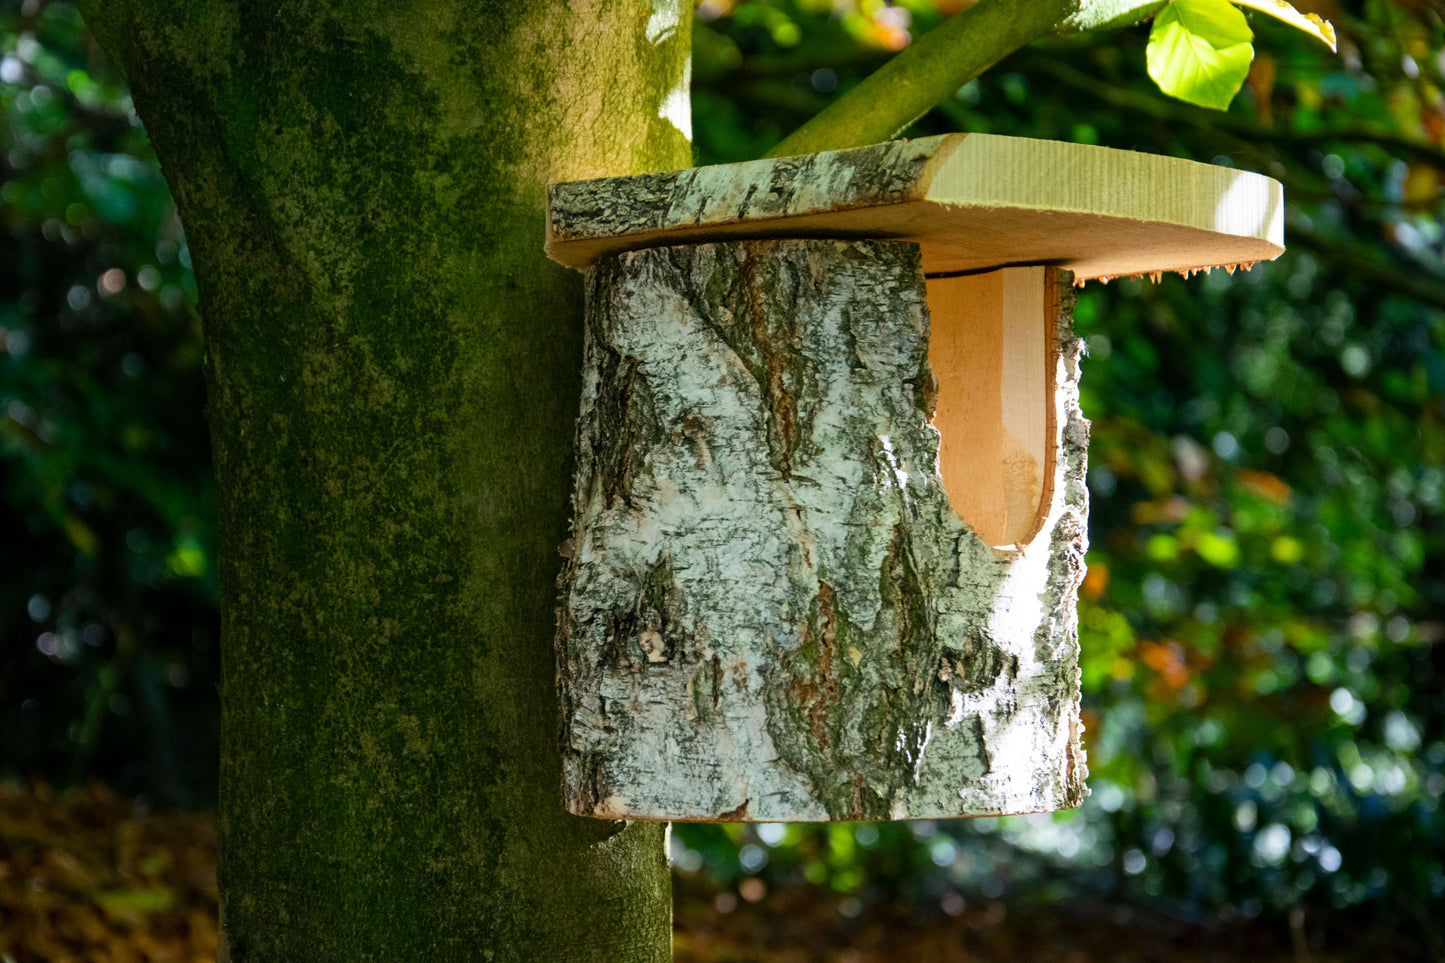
[(707, 198), (971, 201), (393, 376), (770, 612)]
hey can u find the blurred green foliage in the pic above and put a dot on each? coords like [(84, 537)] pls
[(1263, 621), (108, 587)]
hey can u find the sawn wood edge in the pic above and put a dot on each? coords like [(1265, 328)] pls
[(971, 201)]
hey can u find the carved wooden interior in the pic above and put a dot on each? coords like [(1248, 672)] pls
[(993, 357)]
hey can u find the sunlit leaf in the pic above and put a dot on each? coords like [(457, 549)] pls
[(1311, 23), (1162, 548), (127, 902), (1199, 51), (187, 559), (1287, 550), (82, 536), (1219, 549)]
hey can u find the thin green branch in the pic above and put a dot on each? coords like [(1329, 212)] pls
[(935, 65), (926, 72)]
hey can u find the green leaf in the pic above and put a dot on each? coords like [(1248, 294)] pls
[(136, 902), (1218, 549), (1199, 51), (1310, 23)]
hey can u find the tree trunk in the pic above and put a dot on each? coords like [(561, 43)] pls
[(771, 610), (393, 377)]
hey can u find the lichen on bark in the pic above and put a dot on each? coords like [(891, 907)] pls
[(833, 642)]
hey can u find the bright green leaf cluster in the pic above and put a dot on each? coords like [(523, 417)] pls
[(1200, 50), (1310, 23)]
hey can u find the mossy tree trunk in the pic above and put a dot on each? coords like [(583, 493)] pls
[(394, 373)]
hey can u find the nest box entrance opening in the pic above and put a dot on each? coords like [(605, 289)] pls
[(994, 355), (993, 217), (806, 579)]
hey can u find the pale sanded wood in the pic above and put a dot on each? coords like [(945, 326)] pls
[(989, 353), (971, 201), (964, 349), (1030, 306)]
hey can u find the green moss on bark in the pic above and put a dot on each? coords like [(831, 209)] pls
[(393, 375)]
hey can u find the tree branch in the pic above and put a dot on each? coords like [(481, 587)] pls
[(935, 65), (932, 68), (109, 23)]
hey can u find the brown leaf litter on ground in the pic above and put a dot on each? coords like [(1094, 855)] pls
[(90, 876)]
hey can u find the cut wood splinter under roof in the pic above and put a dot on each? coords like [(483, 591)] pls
[(971, 201)]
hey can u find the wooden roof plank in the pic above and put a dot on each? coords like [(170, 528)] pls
[(971, 201)]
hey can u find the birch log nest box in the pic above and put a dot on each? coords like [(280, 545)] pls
[(830, 511)]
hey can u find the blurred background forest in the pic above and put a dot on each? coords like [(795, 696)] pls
[(1263, 623)]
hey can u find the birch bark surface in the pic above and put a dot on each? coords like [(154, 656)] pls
[(770, 611)]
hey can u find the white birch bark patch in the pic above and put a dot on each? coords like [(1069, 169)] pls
[(769, 609)]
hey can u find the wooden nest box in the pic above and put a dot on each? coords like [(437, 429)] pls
[(830, 512)]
